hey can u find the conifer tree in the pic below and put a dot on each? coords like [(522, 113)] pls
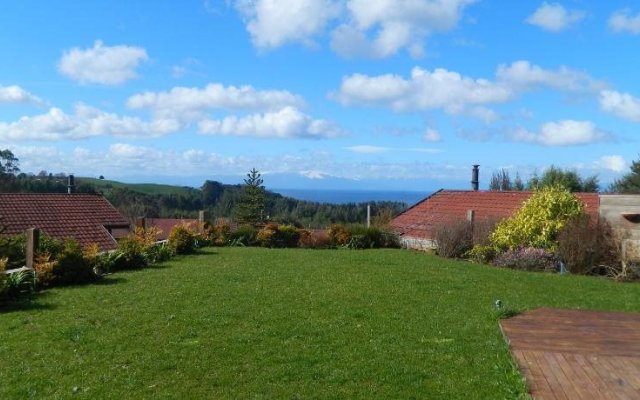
[(250, 208)]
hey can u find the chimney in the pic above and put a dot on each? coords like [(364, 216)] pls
[(474, 177), (71, 185)]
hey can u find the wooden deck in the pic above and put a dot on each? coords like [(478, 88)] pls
[(574, 354)]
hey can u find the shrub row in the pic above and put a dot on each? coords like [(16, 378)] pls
[(281, 236)]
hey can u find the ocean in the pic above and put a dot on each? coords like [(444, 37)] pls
[(353, 196)]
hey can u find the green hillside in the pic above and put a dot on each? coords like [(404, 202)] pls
[(146, 188)]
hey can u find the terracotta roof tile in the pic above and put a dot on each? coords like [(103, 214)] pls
[(420, 220), (84, 217)]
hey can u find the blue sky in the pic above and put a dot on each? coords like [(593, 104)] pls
[(375, 94)]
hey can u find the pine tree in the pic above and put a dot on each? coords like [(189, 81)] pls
[(250, 208), (629, 183)]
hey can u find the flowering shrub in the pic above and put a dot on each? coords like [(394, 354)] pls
[(539, 221), (527, 259)]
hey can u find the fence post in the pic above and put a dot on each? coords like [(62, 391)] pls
[(33, 239)]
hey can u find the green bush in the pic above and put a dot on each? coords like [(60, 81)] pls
[(182, 240), (71, 267), (132, 254), (14, 249), (245, 235), (158, 253), (539, 221)]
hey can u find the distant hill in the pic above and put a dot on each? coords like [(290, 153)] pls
[(146, 188)]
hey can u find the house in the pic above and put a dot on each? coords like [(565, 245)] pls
[(416, 226), (87, 218)]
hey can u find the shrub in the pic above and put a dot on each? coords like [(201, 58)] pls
[(539, 221), (288, 236), (13, 248), (589, 248), (527, 259), (158, 253), (339, 235), (132, 254), (481, 254), (243, 236), (266, 236), (3, 264), (219, 233), (314, 239), (44, 267), (71, 266), (454, 238), (182, 240)]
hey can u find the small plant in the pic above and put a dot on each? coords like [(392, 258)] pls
[(19, 283), (527, 259), (44, 267), (243, 236), (454, 238)]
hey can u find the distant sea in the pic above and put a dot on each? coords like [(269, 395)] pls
[(352, 196)]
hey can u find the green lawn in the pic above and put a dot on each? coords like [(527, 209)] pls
[(258, 323)]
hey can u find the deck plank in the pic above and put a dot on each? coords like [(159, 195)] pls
[(577, 354)]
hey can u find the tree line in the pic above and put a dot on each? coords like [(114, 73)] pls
[(248, 203)]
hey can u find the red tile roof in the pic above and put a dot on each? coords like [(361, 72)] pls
[(84, 217), (420, 220)]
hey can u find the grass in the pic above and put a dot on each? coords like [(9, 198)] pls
[(261, 323)]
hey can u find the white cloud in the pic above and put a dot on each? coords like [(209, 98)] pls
[(106, 65), (368, 149), (456, 94), (189, 103), (424, 90), (359, 28), (554, 17), (16, 94), (431, 135), (85, 122), (288, 122), (522, 75), (381, 28), (613, 163), (623, 105), (561, 133), (623, 21), (273, 23)]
